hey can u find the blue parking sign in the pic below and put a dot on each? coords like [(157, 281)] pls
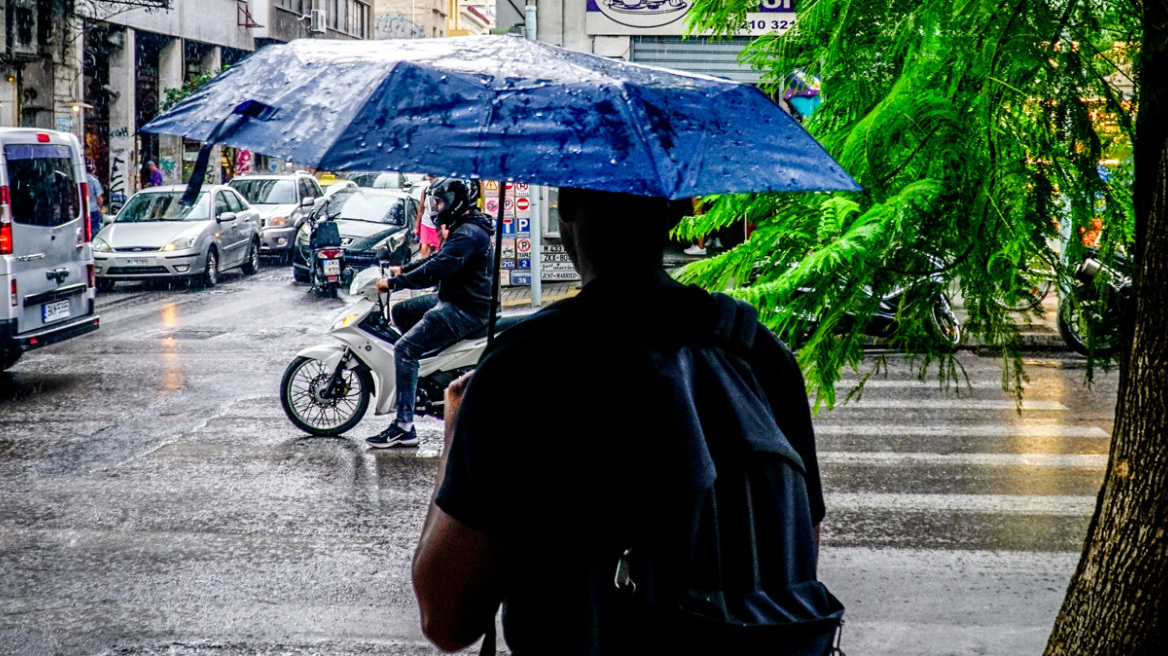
[(524, 225)]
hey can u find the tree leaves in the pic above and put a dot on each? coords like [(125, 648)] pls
[(977, 130)]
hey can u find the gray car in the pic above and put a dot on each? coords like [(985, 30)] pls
[(155, 236), (283, 201)]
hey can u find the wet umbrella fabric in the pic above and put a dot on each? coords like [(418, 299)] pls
[(505, 108)]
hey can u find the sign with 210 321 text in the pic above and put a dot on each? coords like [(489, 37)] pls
[(669, 17)]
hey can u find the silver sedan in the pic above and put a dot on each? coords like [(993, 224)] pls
[(156, 236)]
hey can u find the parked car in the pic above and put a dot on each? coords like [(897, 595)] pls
[(339, 185), (46, 266), (283, 201), (156, 236), (415, 184), (375, 225)]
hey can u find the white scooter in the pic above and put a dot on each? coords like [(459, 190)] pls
[(327, 388)]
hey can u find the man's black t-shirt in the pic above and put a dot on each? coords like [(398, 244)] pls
[(556, 443)]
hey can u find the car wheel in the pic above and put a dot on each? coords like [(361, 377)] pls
[(8, 359), (253, 259), (211, 273)]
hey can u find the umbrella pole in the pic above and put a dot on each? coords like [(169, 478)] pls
[(498, 264)]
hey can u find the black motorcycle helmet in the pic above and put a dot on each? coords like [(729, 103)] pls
[(456, 195)]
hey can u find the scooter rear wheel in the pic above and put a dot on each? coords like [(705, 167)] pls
[(301, 396)]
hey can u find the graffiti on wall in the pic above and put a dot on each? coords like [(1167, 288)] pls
[(117, 182), (397, 27), (169, 168)]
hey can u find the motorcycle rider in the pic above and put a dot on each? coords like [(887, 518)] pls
[(461, 306)]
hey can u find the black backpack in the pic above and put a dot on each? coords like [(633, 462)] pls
[(734, 572)]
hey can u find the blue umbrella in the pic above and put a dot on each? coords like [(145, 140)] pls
[(505, 108)]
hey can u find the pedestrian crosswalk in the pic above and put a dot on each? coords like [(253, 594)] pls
[(955, 521)]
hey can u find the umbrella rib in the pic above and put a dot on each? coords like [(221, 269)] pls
[(645, 137)]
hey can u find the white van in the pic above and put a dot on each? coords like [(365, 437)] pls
[(46, 265)]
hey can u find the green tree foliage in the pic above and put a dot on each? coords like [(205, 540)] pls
[(975, 127), (175, 96)]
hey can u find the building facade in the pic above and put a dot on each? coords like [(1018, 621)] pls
[(649, 33), (136, 59)]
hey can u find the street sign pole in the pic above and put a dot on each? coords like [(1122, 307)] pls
[(495, 300), (537, 247)]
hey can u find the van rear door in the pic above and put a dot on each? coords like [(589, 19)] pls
[(49, 256)]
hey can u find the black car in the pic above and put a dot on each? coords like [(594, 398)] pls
[(375, 225)]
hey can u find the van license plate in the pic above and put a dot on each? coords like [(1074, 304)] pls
[(55, 311), (332, 268)]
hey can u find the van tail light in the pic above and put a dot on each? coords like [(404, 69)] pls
[(92, 275), (14, 292), (5, 221), (87, 230)]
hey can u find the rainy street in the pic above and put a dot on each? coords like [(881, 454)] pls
[(157, 501)]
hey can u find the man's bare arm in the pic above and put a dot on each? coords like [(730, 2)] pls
[(457, 570)]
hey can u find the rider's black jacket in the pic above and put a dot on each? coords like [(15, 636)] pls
[(461, 268)]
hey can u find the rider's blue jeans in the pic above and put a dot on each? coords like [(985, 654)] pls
[(427, 325)]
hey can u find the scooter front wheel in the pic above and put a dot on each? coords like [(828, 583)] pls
[(303, 393)]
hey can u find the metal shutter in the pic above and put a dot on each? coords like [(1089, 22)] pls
[(697, 55)]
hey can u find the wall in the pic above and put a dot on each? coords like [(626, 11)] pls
[(406, 19), (209, 21)]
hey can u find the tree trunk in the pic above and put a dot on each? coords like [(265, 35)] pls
[(1116, 602)]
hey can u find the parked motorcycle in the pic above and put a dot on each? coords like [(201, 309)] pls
[(943, 323), (327, 388), (326, 258), (1090, 313)]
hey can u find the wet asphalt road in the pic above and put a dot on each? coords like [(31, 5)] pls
[(156, 500)]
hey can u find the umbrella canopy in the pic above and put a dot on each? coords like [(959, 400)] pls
[(505, 108)]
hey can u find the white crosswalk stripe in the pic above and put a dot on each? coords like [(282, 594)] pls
[(890, 458), (959, 430), (952, 404), (952, 489)]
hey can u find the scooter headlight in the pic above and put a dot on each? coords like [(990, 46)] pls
[(344, 321)]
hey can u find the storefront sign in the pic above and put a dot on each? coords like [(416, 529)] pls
[(669, 17)]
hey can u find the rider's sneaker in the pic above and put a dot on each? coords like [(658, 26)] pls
[(394, 436)]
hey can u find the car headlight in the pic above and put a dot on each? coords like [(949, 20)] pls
[(181, 243), (277, 222), (100, 245), (345, 321)]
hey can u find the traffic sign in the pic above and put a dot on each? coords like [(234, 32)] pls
[(522, 225), (492, 185), (522, 188), (508, 248), (523, 245), (492, 206), (507, 264), (508, 226), (508, 203), (520, 277), (522, 204), (522, 263)]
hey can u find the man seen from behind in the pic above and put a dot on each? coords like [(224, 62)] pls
[(557, 459)]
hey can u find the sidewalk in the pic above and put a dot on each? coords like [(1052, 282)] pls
[(520, 297), (1037, 333)]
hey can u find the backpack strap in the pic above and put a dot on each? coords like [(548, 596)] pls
[(736, 323)]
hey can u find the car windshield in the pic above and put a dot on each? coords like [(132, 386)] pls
[(267, 192), (164, 206), (384, 180), (375, 208)]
